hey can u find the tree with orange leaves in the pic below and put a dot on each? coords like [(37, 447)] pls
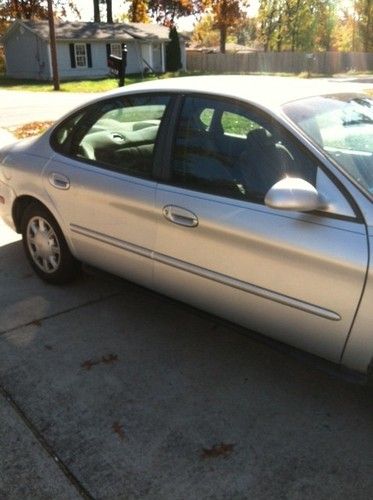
[(167, 11), (138, 12), (226, 14)]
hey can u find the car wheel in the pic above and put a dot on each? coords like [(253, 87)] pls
[(46, 247)]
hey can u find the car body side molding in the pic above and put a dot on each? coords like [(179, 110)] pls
[(208, 274)]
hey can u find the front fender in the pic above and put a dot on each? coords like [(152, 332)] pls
[(358, 353)]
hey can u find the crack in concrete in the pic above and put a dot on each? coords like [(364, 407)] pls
[(74, 481), (35, 321)]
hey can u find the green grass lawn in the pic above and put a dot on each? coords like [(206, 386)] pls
[(102, 84), (99, 85)]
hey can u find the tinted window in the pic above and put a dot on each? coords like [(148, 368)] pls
[(119, 134), (225, 149)]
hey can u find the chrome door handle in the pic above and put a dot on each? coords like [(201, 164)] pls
[(59, 181), (180, 216)]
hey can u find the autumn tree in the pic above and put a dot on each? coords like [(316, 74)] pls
[(138, 12), (269, 22), (246, 31), (343, 33), (23, 9), (31, 9), (226, 14), (167, 11), (207, 34), (364, 20), (296, 24), (204, 34)]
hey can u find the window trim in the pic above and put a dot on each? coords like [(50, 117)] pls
[(169, 146), (112, 44), (82, 44)]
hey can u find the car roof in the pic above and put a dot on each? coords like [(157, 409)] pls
[(264, 91)]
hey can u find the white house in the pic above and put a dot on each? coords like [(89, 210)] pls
[(83, 48)]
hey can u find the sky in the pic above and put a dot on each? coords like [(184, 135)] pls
[(85, 8)]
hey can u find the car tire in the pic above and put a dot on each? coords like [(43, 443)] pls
[(46, 247)]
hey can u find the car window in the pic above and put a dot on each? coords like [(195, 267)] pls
[(235, 124), (241, 154), (62, 136), (206, 117), (342, 125), (118, 134)]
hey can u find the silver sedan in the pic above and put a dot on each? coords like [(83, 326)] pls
[(253, 202)]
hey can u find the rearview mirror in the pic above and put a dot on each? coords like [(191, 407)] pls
[(296, 194)]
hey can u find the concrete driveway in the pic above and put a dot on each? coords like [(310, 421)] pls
[(111, 391)]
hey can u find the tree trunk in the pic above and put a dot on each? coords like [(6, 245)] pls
[(368, 44), (96, 11), (279, 34), (109, 11), (223, 38)]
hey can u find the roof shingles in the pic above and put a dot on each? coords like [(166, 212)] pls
[(99, 31)]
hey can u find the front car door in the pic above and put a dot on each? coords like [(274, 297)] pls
[(101, 181), (297, 277)]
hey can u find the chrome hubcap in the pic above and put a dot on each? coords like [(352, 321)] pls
[(43, 245)]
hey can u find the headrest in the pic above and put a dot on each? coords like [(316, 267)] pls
[(259, 138)]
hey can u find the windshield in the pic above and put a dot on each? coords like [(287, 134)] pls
[(343, 126)]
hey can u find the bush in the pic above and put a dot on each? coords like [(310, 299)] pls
[(173, 54)]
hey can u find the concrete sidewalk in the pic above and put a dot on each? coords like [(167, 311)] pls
[(18, 108)]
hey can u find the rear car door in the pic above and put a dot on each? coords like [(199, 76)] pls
[(297, 277), (101, 182)]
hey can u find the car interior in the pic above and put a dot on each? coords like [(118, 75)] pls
[(233, 156)]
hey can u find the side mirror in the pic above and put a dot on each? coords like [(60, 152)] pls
[(295, 194)]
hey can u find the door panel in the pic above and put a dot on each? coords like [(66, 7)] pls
[(102, 183), (103, 212), (290, 276), (294, 276)]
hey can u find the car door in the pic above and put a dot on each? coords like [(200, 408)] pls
[(101, 182), (294, 276)]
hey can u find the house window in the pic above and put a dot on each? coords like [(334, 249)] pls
[(116, 49), (80, 55)]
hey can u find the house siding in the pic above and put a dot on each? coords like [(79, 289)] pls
[(99, 60), (26, 55)]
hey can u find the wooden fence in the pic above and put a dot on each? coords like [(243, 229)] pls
[(280, 62)]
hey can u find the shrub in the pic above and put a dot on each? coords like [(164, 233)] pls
[(173, 54)]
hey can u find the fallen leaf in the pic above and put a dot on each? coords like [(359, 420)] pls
[(107, 360), (87, 365), (110, 359), (30, 129), (118, 429), (218, 450)]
